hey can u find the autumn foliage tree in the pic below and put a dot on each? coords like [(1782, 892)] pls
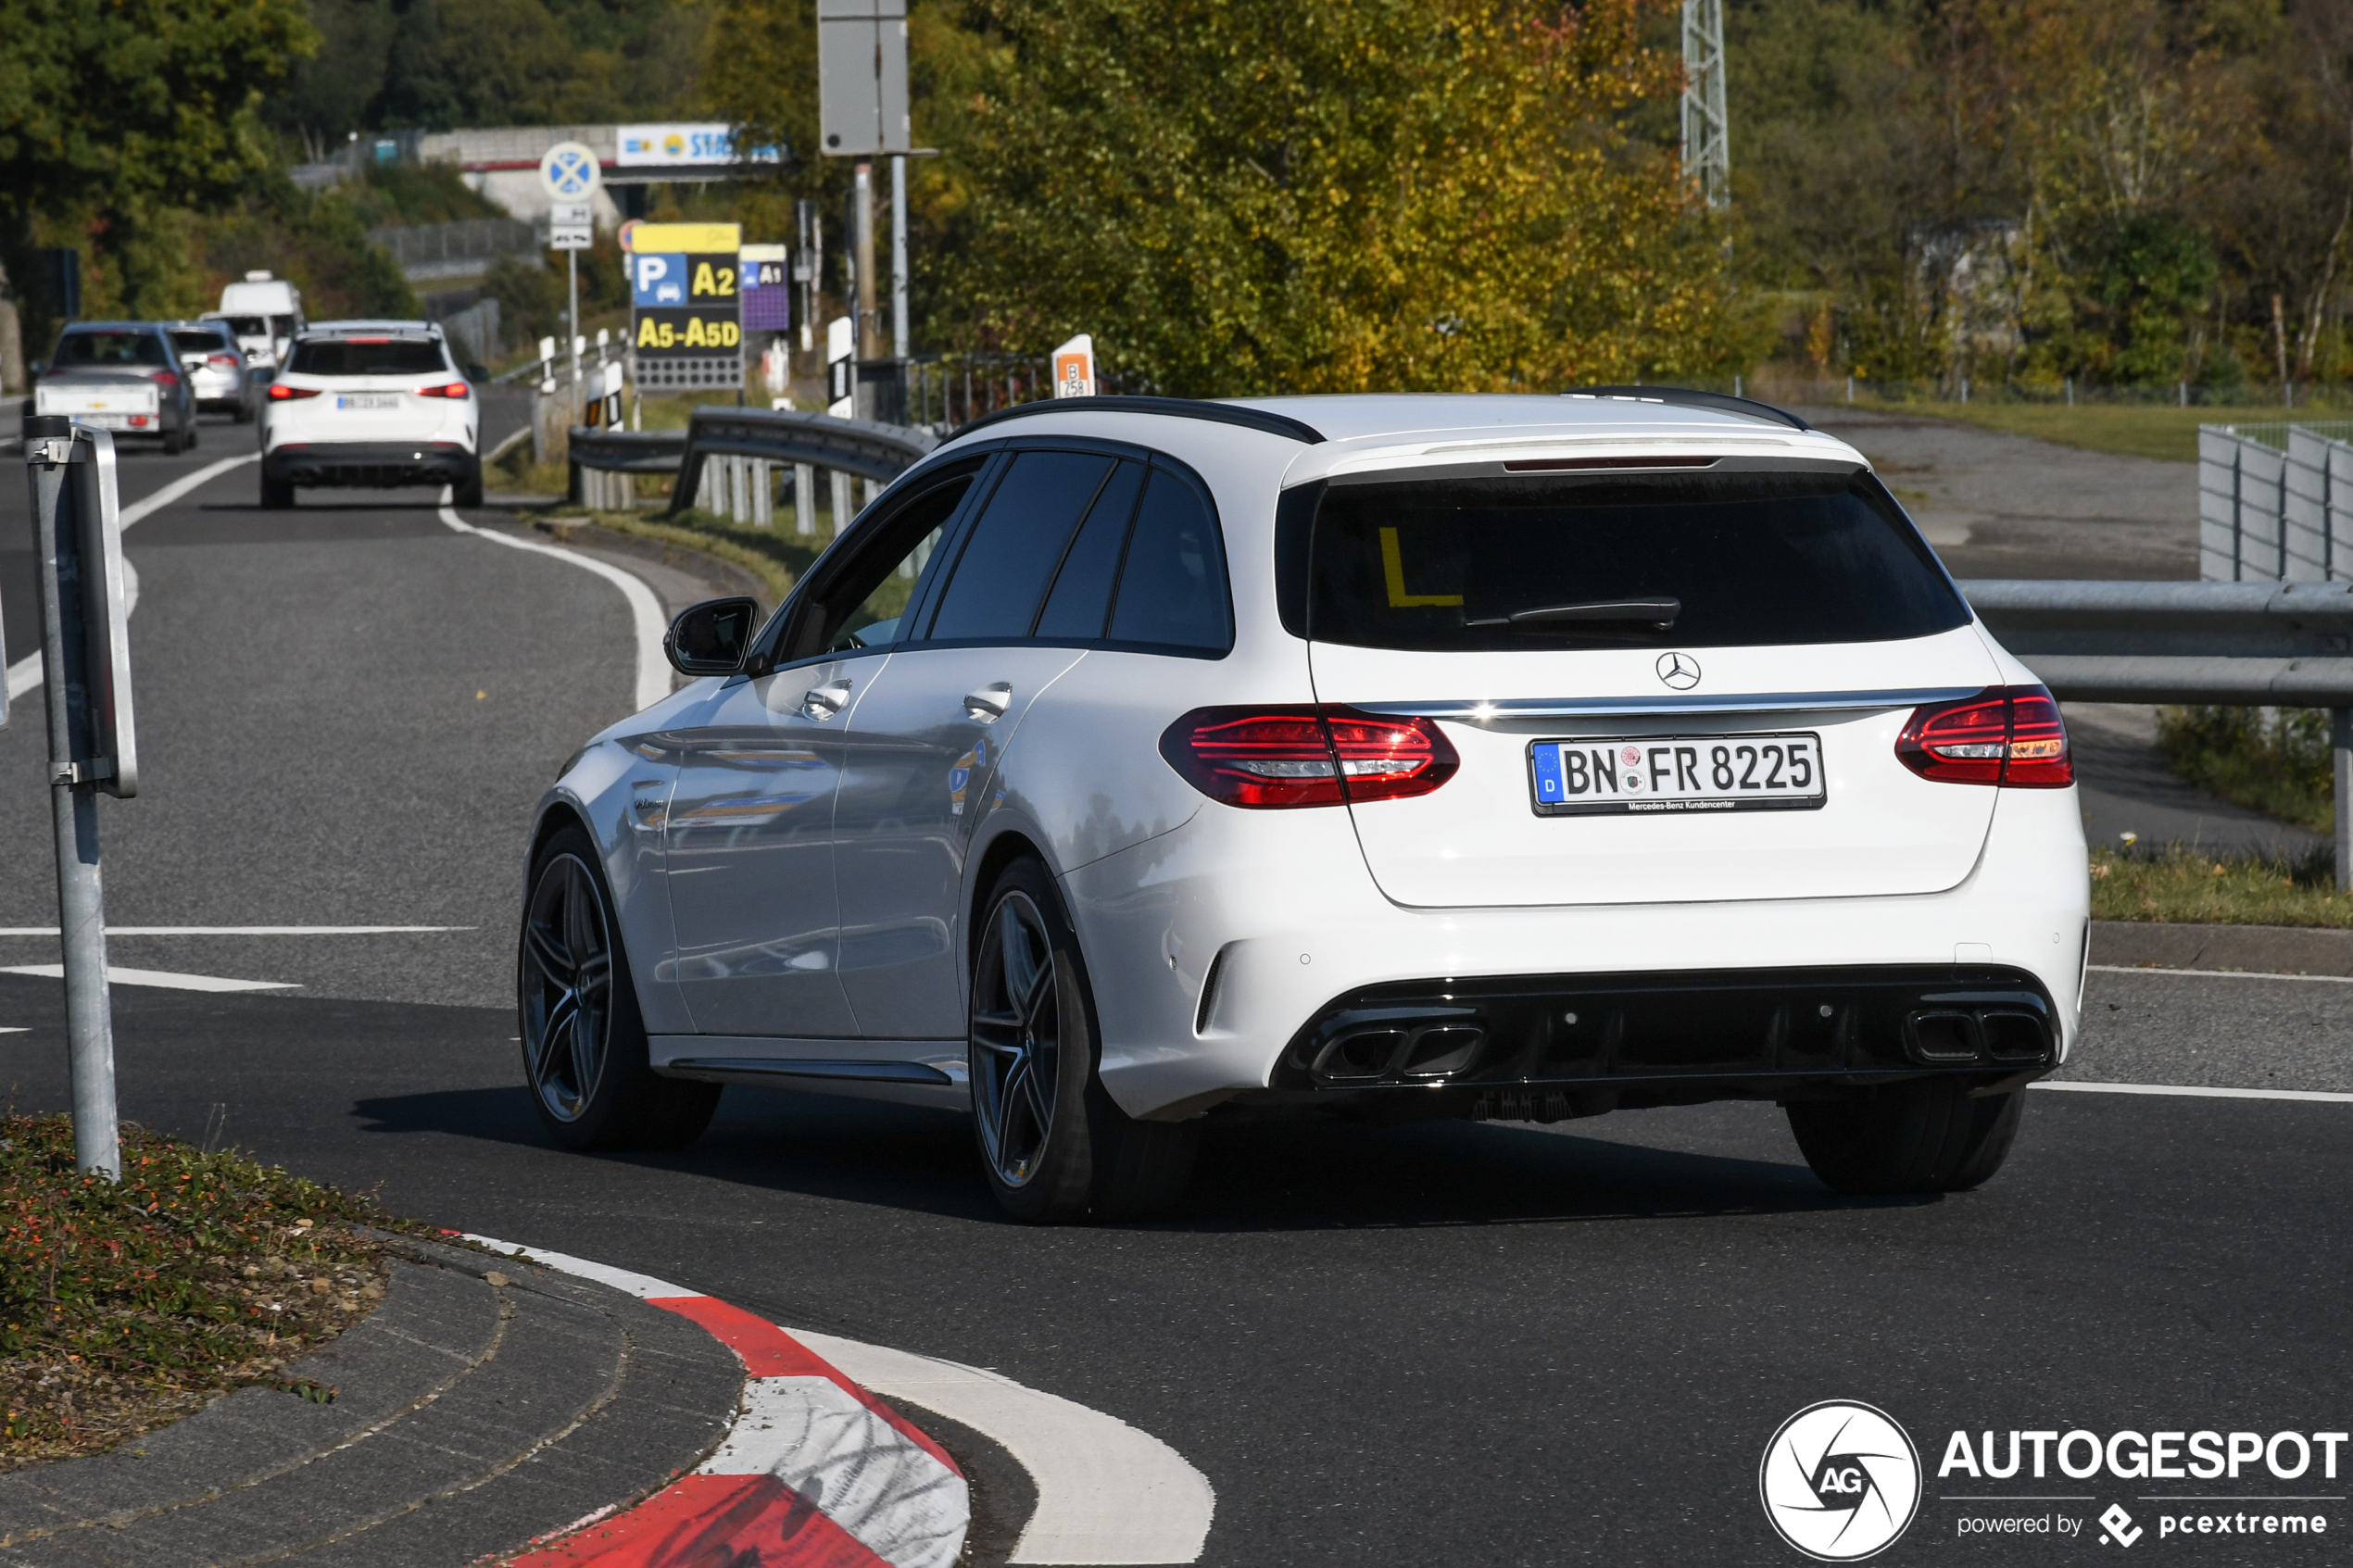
[(1302, 195)]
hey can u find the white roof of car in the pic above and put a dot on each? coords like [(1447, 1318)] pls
[(353, 329), (1373, 431)]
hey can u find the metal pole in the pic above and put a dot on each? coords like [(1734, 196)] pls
[(2341, 742), (898, 255), (869, 346), (81, 913), (571, 265)]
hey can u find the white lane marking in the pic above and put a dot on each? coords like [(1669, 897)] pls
[(2218, 974), (14, 1029), (2324, 1096), (25, 674), (1107, 1493), (823, 1445), (159, 977), (239, 930), (645, 610)]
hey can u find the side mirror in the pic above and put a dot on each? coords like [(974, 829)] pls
[(477, 373), (710, 638)]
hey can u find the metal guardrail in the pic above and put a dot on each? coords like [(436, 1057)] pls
[(2257, 645), (2261, 644), (877, 453)]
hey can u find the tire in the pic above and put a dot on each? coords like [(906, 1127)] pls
[(244, 413), (176, 443), (1054, 1145), (469, 493), (1926, 1136), (584, 1040), (277, 495)]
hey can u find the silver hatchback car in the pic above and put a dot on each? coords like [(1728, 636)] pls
[(1134, 763)]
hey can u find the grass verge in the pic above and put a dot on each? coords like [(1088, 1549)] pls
[(127, 1304), (777, 559), (2126, 429), (2175, 884)]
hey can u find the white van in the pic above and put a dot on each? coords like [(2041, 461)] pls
[(264, 313)]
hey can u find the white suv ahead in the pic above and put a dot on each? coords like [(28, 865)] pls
[(1132, 763), (375, 404)]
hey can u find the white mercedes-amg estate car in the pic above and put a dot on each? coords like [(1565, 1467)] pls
[(1133, 763), (377, 404)]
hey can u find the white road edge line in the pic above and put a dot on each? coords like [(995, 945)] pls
[(162, 978), (25, 674), (1108, 1494), (2318, 1096), (239, 930), (645, 609), (2218, 974)]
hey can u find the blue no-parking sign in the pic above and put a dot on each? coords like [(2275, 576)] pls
[(570, 171)]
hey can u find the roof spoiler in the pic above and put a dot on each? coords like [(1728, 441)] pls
[(1690, 397)]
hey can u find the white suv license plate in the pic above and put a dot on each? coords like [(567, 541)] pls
[(368, 400), (1627, 775)]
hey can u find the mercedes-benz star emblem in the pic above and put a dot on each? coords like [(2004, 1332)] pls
[(1679, 670)]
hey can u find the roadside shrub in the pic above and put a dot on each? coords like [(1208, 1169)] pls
[(2276, 760)]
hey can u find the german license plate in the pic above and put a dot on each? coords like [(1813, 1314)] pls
[(368, 400), (1631, 774)]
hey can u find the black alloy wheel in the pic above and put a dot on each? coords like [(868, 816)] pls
[(1056, 1148), (584, 1040), (567, 987), (1016, 1041)]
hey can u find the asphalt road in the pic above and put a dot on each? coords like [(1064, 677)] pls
[(1454, 1344)]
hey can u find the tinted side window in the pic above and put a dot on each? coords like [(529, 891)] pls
[(1081, 594), (877, 587), (1172, 589), (1014, 546)]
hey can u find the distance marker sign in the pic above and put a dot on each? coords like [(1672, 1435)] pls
[(685, 297)]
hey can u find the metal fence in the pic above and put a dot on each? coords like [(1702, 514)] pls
[(427, 251), (2275, 502)]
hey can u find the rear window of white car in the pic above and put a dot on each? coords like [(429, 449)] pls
[(1720, 559), (368, 357), (192, 341)]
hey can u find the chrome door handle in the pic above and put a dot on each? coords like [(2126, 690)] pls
[(990, 703), (824, 702)]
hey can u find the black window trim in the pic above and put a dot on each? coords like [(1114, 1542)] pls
[(969, 513), (840, 557)]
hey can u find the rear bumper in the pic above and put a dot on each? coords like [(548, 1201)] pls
[(374, 464), (1219, 948), (1539, 1048)]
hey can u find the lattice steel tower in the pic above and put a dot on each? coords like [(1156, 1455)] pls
[(1707, 155)]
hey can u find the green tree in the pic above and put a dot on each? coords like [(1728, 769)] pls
[(1297, 196)]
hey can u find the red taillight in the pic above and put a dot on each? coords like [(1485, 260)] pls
[(281, 393), (2010, 735), (455, 389), (1283, 757), (164, 378), (230, 360)]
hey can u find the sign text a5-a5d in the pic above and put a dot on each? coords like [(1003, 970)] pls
[(685, 302)]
